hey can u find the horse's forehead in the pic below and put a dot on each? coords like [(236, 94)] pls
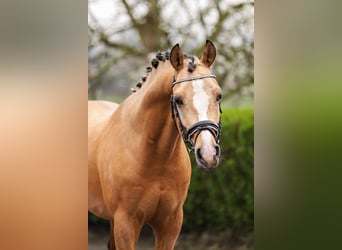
[(199, 99), (189, 88)]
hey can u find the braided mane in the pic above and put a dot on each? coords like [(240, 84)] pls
[(162, 56)]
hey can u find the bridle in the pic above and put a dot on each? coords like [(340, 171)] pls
[(198, 127)]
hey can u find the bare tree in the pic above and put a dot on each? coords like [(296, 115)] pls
[(141, 27)]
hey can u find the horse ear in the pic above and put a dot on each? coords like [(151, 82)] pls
[(177, 57), (209, 54)]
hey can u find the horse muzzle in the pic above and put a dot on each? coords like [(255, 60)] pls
[(207, 157), (204, 137), (207, 152)]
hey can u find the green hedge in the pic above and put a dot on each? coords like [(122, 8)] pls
[(223, 198)]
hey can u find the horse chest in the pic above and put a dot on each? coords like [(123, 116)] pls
[(160, 201), (168, 201)]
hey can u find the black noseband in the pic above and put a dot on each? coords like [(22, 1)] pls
[(213, 128), (198, 127)]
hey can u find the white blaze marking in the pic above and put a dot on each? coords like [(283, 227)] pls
[(201, 100), (201, 104)]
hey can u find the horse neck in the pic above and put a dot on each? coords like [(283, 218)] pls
[(158, 134)]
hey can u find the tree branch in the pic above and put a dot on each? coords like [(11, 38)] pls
[(122, 46), (130, 14), (101, 70), (223, 15)]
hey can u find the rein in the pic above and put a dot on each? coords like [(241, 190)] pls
[(195, 129)]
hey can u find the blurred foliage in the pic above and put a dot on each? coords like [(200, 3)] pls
[(224, 197), (123, 35)]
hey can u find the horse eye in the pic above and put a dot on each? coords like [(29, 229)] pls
[(218, 97), (178, 100)]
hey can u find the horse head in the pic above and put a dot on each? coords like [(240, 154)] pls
[(195, 102)]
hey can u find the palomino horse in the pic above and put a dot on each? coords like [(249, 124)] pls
[(139, 167)]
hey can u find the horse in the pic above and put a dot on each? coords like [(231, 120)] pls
[(139, 166)]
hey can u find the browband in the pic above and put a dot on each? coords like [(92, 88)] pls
[(192, 78)]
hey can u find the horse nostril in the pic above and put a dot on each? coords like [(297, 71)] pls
[(198, 153), (218, 150)]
